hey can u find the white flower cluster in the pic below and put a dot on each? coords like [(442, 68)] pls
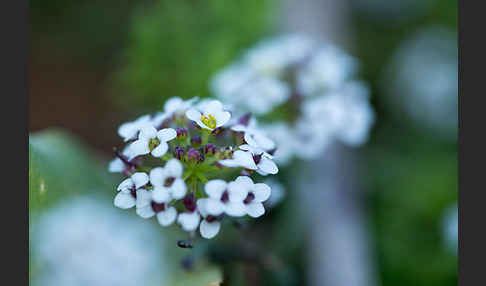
[(314, 85), (195, 140), (72, 246)]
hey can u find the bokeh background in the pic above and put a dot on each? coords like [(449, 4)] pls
[(96, 64)]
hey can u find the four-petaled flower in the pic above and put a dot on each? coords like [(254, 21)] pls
[(224, 198), (129, 189), (210, 115), (210, 225), (129, 130), (167, 181), (151, 141), (252, 158), (254, 136), (256, 195)]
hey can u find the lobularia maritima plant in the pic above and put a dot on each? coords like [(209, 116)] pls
[(176, 162)]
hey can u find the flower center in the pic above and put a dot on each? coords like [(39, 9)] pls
[(249, 198), (154, 142), (225, 197), (257, 158), (169, 181), (209, 121), (157, 207)]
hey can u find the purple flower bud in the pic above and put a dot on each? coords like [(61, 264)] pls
[(179, 152), (196, 141), (190, 202), (210, 149), (181, 132), (193, 155)]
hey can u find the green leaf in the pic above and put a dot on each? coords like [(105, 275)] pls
[(60, 166)]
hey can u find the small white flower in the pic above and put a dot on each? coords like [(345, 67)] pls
[(128, 188), (210, 225), (129, 130), (167, 181), (252, 158), (224, 198), (256, 195), (147, 208), (151, 141), (210, 115), (189, 220), (172, 106), (255, 136), (116, 165)]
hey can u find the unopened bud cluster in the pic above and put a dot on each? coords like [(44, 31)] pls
[(192, 164)]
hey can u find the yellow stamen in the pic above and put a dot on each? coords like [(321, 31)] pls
[(209, 121)]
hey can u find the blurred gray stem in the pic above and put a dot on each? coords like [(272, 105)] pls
[(338, 243)]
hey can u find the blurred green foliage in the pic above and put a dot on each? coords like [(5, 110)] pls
[(175, 46), (61, 167)]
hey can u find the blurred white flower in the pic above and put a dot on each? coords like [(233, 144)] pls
[(85, 242), (129, 130), (422, 81), (252, 158), (285, 140), (328, 69), (167, 181), (189, 220), (128, 188), (172, 106), (151, 141), (210, 115)]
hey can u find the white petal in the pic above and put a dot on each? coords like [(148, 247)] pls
[(239, 128), (255, 209), (222, 118), (209, 229), (261, 141), (160, 195), (145, 212), (128, 131), (262, 192), (268, 166), (231, 163), (193, 115), (245, 181), (235, 209), (137, 148), (167, 217), (215, 188), (189, 221), (236, 192), (140, 179), (147, 132), (125, 185), (160, 150), (245, 159), (124, 200), (116, 166), (144, 198), (214, 207), (213, 106), (158, 176), (174, 168), (166, 134), (178, 189), (201, 206), (172, 104)]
